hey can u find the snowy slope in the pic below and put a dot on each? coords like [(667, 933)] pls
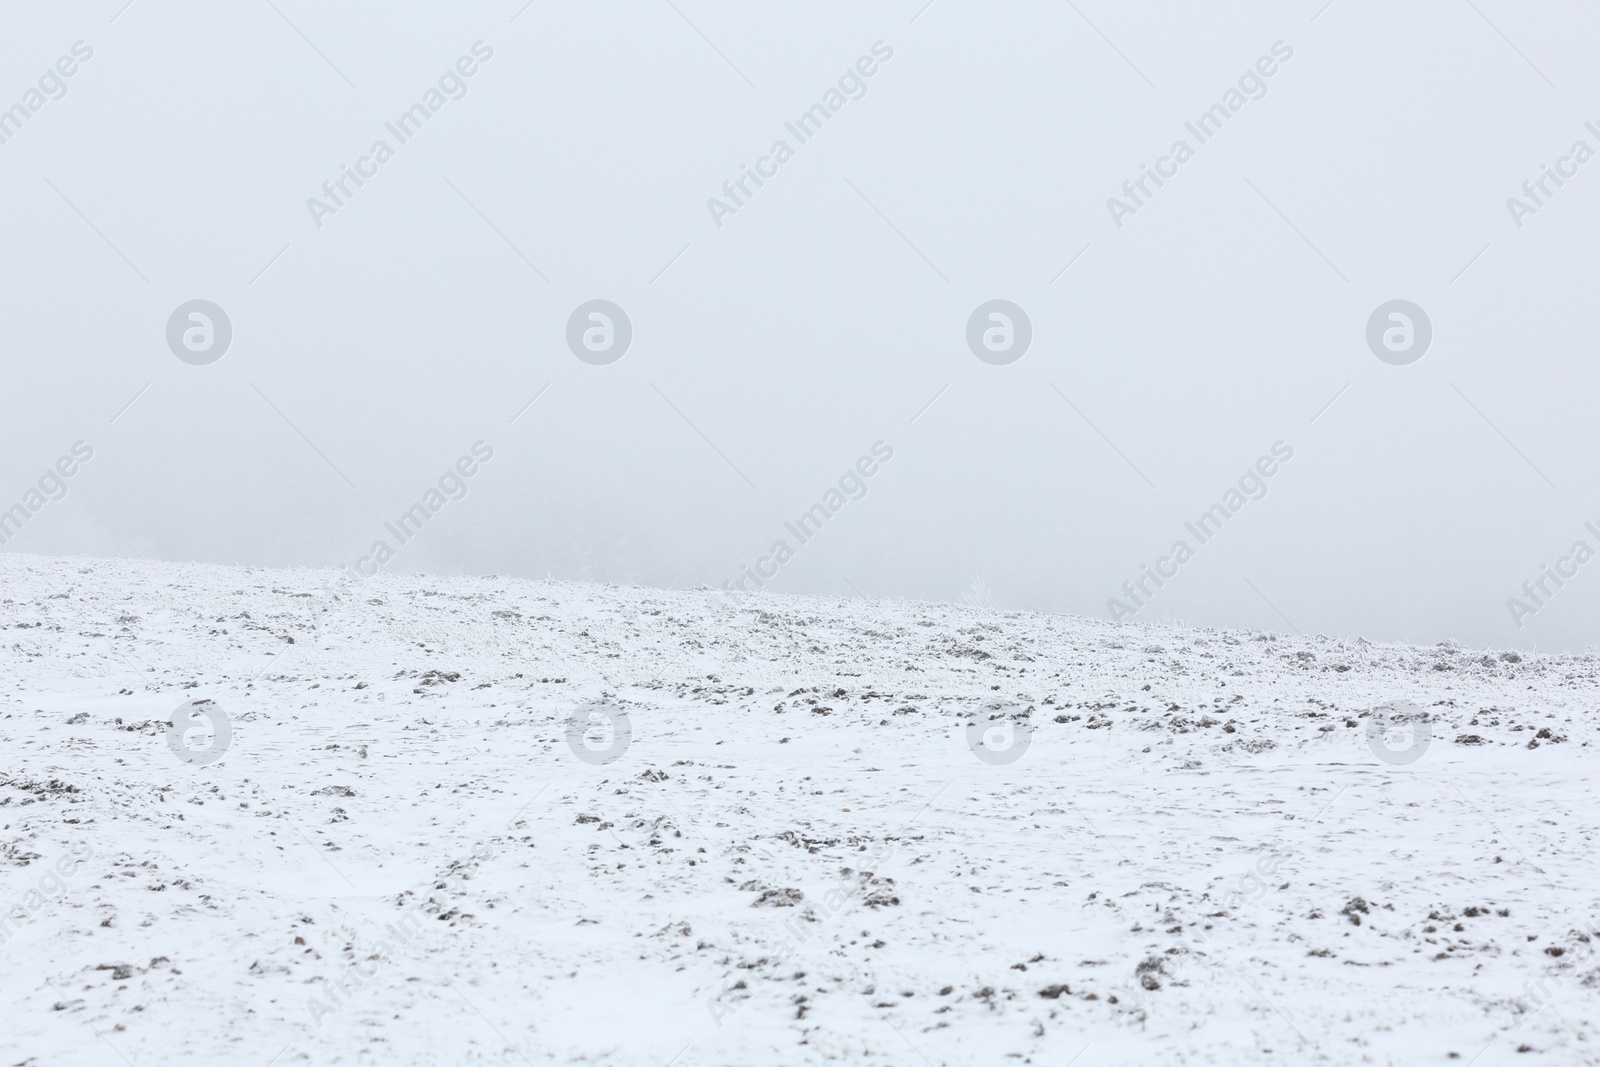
[(1191, 852)]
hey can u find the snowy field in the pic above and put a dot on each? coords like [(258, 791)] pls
[(814, 831)]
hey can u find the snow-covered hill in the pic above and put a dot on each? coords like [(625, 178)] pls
[(814, 831)]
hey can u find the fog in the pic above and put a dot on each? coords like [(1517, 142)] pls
[(814, 357)]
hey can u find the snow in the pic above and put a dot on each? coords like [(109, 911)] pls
[(796, 857)]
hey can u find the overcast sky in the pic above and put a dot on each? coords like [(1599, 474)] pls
[(956, 154)]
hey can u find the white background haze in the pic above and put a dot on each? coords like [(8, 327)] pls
[(771, 352)]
